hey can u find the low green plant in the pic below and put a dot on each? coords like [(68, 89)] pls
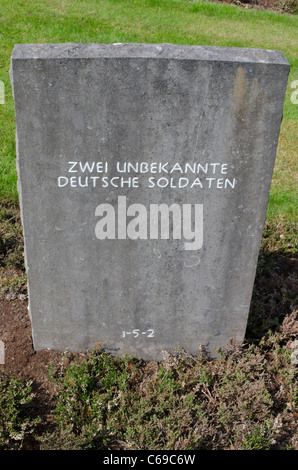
[(16, 421), (237, 401), (259, 438)]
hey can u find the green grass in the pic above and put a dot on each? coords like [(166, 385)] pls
[(284, 194), (182, 403), (153, 21)]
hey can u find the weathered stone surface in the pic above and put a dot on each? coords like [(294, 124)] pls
[(107, 132)]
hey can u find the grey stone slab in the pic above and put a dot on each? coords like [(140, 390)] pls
[(106, 133)]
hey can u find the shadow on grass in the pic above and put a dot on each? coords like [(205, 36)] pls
[(275, 292)]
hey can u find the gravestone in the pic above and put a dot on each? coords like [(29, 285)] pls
[(144, 173)]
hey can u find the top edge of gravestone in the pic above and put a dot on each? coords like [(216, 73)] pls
[(146, 50)]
